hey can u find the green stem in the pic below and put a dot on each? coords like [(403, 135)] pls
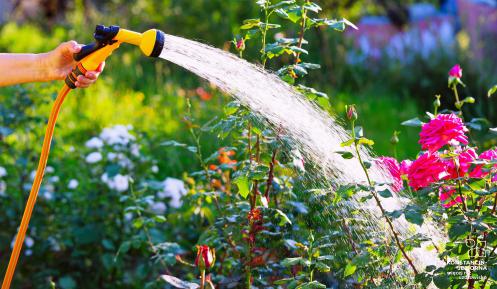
[(458, 102), (264, 34), (202, 279), (198, 154), (145, 229), (378, 203)]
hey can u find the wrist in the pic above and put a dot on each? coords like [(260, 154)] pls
[(43, 68)]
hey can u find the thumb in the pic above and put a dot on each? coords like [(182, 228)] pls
[(71, 47)]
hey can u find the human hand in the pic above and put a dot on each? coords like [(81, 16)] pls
[(59, 63)]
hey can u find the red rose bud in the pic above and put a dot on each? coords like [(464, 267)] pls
[(205, 257), (455, 71), (240, 44), (351, 112)]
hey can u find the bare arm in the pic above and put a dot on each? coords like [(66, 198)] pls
[(18, 68)]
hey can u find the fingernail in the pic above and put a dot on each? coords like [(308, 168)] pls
[(76, 83)]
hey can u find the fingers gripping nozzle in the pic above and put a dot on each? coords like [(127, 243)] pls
[(107, 39)]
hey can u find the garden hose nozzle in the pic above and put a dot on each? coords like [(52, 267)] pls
[(107, 39)]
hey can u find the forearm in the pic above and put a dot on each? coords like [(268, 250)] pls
[(18, 68)]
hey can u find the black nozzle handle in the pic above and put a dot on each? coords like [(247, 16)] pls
[(103, 36), (86, 50)]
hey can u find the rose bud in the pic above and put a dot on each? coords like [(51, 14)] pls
[(205, 257)]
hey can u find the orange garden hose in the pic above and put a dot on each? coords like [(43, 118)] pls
[(28, 211)]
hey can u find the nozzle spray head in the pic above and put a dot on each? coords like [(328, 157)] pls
[(152, 42), (107, 39)]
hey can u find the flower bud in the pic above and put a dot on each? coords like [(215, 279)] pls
[(469, 99), (205, 257), (240, 44), (436, 102), (455, 71), (395, 139), (351, 112)]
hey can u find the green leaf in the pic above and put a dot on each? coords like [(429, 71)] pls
[(322, 267), (173, 143), (385, 193), (349, 269), (160, 219), (242, 182), (441, 281), (287, 262), (282, 3), (250, 23), (283, 218), (346, 155), (492, 90), (365, 141), (414, 216), (311, 6), (414, 122), (424, 279), (67, 282), (459, 230), (347, 143), (311, 285), (178, 283)]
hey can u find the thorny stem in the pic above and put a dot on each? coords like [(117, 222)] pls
[(378, 203), (302, 31)]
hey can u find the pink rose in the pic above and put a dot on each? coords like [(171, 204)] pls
[(456, 71), (425, 170), (464, 160), (488, 155), (393, 167), (442, 130), (449, 197)]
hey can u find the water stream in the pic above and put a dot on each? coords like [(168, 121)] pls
[(318, 134)]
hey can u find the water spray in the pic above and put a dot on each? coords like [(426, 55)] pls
[(107, 39)]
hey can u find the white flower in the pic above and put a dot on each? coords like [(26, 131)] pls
[(48, 195), (93, 157), (118, 134), (155, 169), (73, 184), (3, 188), (3, 172), (29, 242), (135, 150), (119, 182), (49, 170), (32, 175), (111, 156), (54, 179), (158, 208), (94, 143), (28, 252), (174, 189)]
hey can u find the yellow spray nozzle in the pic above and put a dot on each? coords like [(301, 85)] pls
[(107, 39)]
